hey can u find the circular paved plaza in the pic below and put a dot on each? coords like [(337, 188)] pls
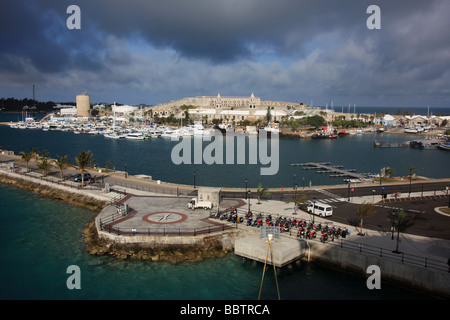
[(151, 215)]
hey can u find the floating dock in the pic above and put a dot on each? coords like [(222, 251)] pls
[(419, 144), (325, 167)]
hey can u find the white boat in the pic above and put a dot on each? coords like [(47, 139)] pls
[(135, 136), (114, 135), (360, 130), (444, 145), (199, 129)]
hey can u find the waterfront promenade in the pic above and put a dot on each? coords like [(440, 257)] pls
[(434, 248)]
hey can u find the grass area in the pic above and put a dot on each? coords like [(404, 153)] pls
[(445, 210)]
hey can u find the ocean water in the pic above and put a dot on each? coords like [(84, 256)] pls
[(40, 238)]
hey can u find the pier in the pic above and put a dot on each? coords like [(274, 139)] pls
[(325, 167), (418, 144)]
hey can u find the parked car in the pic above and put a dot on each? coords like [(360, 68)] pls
[(87, 178)]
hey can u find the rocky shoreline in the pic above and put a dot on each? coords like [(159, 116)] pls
[(210, 246), (71, 198)]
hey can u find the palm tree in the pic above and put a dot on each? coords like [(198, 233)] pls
[(404, 221), (108, 164), (34, 153), (261, 192), (301, 198), (26, 157), (83, 160), (44, 165), (388, 171), (363, 211), (61, 162)]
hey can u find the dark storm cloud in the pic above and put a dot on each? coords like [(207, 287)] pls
[(32, 32), (200, 47)]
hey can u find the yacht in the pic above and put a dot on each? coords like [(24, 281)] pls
[(199, 129), (444, 145), (135, 136), (114, 135), (226, 127)]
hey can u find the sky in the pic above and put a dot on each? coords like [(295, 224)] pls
[(318, 52)]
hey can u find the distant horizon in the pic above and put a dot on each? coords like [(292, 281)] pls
[(319, 106)]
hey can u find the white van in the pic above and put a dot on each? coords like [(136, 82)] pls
[(320, 209)]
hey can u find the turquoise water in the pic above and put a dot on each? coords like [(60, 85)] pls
[(40, 238)]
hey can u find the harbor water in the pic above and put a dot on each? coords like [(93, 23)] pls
[(154, 157)]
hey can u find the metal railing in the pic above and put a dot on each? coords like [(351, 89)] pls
[(164, 231), (401, 257)]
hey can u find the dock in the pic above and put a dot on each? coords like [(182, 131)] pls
[(325, 167), (418, 144), (284, 250)]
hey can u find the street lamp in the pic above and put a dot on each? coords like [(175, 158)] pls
[(246, 182), (295, 198), (303, 183), (393, 215), (194, 179), (314, 208), (249, 196)]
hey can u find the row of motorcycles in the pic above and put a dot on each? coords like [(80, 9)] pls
[(306, 229)]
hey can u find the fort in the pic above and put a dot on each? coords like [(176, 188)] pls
[(233, 108)]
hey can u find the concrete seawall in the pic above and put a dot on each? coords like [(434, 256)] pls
[(417, 277)]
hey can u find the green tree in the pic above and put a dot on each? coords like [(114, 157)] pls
[(363, 211), (388, 171), (315, 121), (261, 192), (61, 162), (301, 198), (26, 157), (268, 115), (108, 164), (404, 221), (83, 160), (44, 165)]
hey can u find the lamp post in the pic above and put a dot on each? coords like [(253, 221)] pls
[(194, 179), (294, 180), (246, 182), (249, 196), (303, 183), (295, 198), (314, 209), (393, 217), (410, 181)]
